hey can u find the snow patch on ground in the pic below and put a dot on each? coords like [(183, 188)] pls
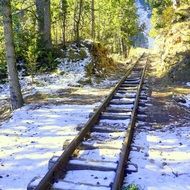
[(163, 159), (68, 74), (188, 84), (32, 136), (187, 101)]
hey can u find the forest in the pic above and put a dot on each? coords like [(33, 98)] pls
[(62, 60), (39, 29)]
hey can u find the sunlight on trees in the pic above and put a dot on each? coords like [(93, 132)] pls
[(41, 27)]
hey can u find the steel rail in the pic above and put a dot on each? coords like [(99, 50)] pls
[(118, 181), (57, 170)]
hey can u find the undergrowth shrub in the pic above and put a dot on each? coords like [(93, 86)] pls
[(3, 71), (74, 54), (131, 187), (101, 64), (46, 60)]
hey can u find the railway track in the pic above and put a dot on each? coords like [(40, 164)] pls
[(96, 157)]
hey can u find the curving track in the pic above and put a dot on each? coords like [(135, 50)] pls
[(96, 157)]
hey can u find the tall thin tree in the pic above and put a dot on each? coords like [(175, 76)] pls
[(40, 19), (47, 25), (15, 89), (64, 6), (77, 19), (44, 23), (92, 20)]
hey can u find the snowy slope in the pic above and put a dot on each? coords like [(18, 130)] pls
[(68, 74), (32, 136), (163, 159)]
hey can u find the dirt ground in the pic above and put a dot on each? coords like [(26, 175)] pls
[(164, 108), (160, 146), (72, 95)]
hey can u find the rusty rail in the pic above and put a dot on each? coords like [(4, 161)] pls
[(127, 142), (57, 170)]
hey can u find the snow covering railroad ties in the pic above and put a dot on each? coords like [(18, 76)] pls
[(96, 157)]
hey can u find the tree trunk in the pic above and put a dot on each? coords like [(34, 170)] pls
[(44, 24), (47, 25), (74, 19), (15, 90), (64, 31), (64, 18), (98, 23), (92, 20), (40, 16), (77, 19)]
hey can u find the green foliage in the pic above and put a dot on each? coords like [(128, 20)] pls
[(46, 60), (161, 5), (3, 71), (76, 55), (131, 187), (182, 14), (3, 67), (115, 24), (31, 57), (185, 2), (163, 14), (161, 20), (114, 20)]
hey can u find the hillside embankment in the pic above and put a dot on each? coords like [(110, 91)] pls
[(79, 69), (173, 48)]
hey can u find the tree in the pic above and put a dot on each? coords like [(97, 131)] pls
[(77, 18), (15, 90), (40, 19), (92, 20), (44, 23), (47, 25), (64, 7), (110, 22)]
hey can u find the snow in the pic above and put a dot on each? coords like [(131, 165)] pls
[(91, 163), (69, 185), (163, 159), (124, 106), (92, 177), (68, 74), (93, 180), (32, 136), (35, 133), (188, 84), (187, 99)]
